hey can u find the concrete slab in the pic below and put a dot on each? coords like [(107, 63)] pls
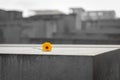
[(77, 50)]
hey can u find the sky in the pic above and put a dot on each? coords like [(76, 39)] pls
[(63, 5)]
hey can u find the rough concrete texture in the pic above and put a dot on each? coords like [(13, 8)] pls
[(38, 67), (107, 66)]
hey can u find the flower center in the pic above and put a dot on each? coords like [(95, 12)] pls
[(46, 47)]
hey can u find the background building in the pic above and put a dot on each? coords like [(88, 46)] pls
[(80, 26)]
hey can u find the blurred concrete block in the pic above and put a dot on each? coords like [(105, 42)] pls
[(64, 62)]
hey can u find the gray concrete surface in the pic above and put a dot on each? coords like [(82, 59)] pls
[(70, 64), (75, 50), (37, 67), (107, 66)]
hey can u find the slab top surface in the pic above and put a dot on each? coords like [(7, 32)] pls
[(77, 50)]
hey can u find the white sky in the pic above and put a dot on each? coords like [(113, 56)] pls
[(62, 5)]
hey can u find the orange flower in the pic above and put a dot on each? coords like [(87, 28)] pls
[(47, 46)]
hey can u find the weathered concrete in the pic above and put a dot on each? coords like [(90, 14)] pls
[(64, 62), (38, 67), (107, 66)]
